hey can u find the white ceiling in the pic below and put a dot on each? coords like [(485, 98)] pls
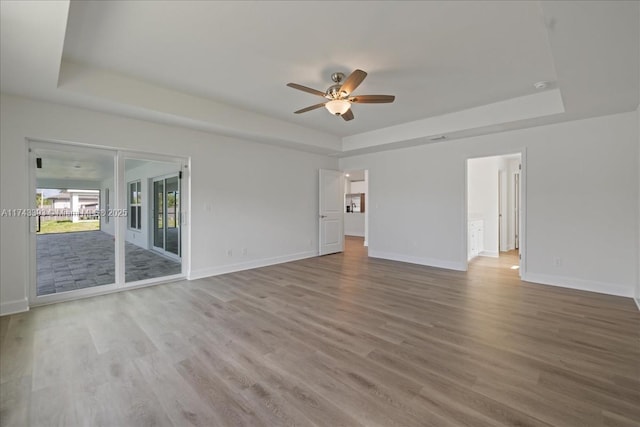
[(80, 165), (436, 57), (75, 165), (223, 66), (357, 175)]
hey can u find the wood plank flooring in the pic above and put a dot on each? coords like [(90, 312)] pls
[(340, 340)]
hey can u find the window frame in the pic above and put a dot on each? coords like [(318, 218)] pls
[(134, 209)]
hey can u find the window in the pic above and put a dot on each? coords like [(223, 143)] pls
[(135, 205)]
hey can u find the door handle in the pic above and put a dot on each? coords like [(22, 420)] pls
[(323, 216)]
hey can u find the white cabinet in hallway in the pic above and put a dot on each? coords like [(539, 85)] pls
[(475, 238)]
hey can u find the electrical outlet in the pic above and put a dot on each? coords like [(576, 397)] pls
[(229, 252), (244, 251), (557, 262)]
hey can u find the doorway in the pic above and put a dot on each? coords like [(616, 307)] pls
[(356, 207), (90, 231), (71, 249), (494, 211)]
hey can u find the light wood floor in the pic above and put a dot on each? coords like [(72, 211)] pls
[(340, 340)]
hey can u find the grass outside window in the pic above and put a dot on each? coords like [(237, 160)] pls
[(67, 226)]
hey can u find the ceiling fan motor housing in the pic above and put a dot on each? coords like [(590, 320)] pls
[(334, 92), (337, 77)]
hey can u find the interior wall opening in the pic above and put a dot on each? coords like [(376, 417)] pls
[(356, 208), (494, 211)]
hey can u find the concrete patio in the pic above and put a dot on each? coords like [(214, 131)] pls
[(70, 261)]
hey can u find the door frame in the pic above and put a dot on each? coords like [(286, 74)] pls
[(516, 202), (163, 251), (522, 221), (119, 196)]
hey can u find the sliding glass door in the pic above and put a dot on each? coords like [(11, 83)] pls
[(153, 235), (73, 225), (101, 219), (158, 214), (172, 223)]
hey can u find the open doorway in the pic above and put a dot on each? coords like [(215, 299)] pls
[(356, 209), (494, 211)]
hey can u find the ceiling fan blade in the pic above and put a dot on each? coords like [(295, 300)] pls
[(313, 107), (372, 99), (348, 115), (353, 81), (306, 89)]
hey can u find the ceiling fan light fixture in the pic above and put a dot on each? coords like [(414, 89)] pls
[(338, 96), (338, 107)]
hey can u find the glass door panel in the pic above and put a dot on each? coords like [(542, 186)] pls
[(172, 231), (152, 241), (74, 228), (158, 214)]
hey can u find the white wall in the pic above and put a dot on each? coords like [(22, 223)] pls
[(358, 187), (581, 207), (243, 194), (482, 196)]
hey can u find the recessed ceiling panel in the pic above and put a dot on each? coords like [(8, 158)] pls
[(435, 57)]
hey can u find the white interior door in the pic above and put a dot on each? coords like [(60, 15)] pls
[(331, 217)]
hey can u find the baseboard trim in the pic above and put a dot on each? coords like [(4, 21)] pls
[(231, 268), (580, 284), (430, 262), (491, 254), (13, 307)]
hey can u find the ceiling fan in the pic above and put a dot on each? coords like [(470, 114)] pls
[(339, 95)]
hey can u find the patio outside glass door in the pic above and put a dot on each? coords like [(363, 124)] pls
[(152, 236), (166, 215), (101, 220), (73, 220)]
